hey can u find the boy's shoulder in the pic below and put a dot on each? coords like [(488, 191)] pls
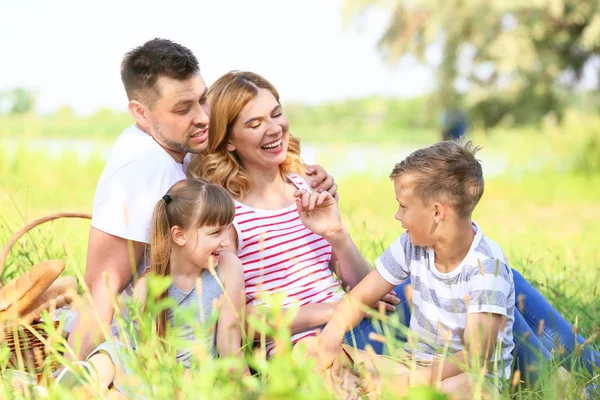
[(487, 248), (486, 257), (410, 252)]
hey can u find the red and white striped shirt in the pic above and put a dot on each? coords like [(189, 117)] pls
[(280, 255)]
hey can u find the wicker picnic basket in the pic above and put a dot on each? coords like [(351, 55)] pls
[(26, 341)]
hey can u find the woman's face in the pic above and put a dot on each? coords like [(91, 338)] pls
[(260, 133)]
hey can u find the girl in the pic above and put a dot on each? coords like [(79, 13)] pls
[(190, 228)]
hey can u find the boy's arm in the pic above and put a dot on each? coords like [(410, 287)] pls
[(349, 313), (479, 339), (309, 316), (490, 286)]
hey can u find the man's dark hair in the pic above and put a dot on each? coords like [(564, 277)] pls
[(142, 66)]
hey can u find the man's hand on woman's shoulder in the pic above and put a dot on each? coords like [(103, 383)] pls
[(320, 180)]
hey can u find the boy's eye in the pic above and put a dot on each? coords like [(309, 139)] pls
[(183, 111), (278, 114)]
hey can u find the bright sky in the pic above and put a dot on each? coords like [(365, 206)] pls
[(69, 52)]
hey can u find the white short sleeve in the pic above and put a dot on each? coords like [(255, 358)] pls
[(490, 284), (394, 263), (137, 174), (125, 201)]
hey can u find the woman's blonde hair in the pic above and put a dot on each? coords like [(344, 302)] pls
[(227, 97), (188, 203)]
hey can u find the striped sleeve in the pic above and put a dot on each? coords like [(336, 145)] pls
[(393, 264), (490, 284)]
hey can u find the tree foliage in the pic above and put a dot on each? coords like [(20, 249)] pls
[(519, 60), (17, 101)]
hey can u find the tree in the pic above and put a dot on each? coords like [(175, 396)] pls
[(522, 57), (22, 101)]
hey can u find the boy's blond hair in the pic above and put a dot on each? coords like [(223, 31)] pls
[(447, 171)]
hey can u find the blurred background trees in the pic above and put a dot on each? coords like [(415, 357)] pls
[(502, 60), (17, 101)]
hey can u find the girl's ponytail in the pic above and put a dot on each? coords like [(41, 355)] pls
[(160, 253)]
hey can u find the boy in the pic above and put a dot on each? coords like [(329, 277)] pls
[(463, 290)]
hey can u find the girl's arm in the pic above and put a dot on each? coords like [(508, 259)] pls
[(229, 334)]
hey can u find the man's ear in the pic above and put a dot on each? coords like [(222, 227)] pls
[(178, 235), (139, 112), (439, 212)]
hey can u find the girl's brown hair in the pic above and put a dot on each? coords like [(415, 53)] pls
[(188, 203), (227, 97)]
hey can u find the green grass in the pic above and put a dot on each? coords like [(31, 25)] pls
[(547, 222)]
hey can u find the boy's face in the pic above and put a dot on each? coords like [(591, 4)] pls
[(416, 216)]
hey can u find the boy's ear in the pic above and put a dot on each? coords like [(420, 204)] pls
[(178, 235), (439, 212)]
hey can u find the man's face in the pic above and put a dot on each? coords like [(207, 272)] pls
[(178, 121)]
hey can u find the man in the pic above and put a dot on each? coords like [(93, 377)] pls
[(168, 101)]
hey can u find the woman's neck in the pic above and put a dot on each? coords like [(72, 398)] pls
[(266, 181), (269, 190)]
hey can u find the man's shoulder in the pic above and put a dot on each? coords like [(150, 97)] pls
[(133, 144), (137, 154)]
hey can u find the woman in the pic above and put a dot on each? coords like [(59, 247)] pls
[(252, 154)]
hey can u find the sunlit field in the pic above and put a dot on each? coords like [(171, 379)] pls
[(542, 207)]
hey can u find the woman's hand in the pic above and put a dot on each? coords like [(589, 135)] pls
[(319, 213)]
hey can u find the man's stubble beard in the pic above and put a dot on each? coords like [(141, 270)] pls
[(172, 145)]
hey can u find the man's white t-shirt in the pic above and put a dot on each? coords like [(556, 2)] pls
[(138, 173)]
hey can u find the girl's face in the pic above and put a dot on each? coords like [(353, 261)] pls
[(260, 133), (204, 244)]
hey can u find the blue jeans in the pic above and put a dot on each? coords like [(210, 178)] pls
[(531, 349)]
